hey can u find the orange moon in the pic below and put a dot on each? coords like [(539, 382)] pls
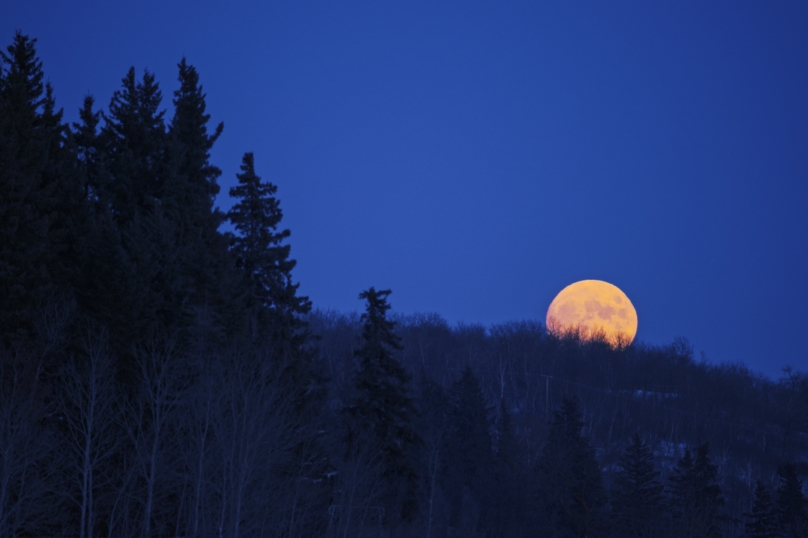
[(593, 307)]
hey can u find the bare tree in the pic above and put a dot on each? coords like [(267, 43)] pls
[(357, 495), (195, 448), (27, 447), (253, 432), (91, 434), (148, 419)]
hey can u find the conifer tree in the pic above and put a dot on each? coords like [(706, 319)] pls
[(134, 139), (100, 290), (188, 200), (762, 521), (569, 478), (38, 190), (509, 499), (141, 168), (88, 153), (261, 254), (637, 499), (469, 457), (381, 412), (792, 506), (470, 425), (191, 191), (696, 497), (189, 132)]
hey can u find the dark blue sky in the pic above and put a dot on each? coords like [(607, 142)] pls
[(478, 157)]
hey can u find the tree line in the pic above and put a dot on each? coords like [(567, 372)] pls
[(160, 377)]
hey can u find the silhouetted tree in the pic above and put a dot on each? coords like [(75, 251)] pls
[(134, 138), (149, 259), (468, 460), (188, 200), (762, 521), (637, 499), (381, 411), (275, 309), (88, 152), (261, 254), (792, 506), (39, 195), (696, 498), (569, 478), (510, 498), (92, 434)]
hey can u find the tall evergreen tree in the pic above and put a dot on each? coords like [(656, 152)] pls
[(102, 293), (469, 459), (88, 153), (381, 412), (569, 479), (38, 190), (637, 498), (261, 254), (696, 496), (134, 138), (762, 521), (189, 132), (188, 200), (510, 499), (792, 506), (140, 165)]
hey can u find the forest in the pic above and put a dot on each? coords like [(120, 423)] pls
[(162, 377)]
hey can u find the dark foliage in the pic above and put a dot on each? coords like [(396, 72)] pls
[(381, 412), (792, 506), (468, 461), (762, 521), (570, 487), (695, 496), (637, 496)]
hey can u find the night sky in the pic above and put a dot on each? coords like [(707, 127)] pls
[(477, 157)]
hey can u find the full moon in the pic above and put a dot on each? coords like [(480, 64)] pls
[(593, 308)]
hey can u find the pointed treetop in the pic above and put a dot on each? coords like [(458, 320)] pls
[(189, 129), (377, 328), (22, 85), (259, 246), (134, 114), (762, 521)]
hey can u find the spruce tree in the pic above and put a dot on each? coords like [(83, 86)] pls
[(101, 289), (142, 168), (469, 459), (381, 412), (511, 485), (262, 256), (637, 498), (90, 159), (762, 521), (188, 200), (189, 132), (38, 191), (569, 480), (696, 498), (792, 506), (134, 140)]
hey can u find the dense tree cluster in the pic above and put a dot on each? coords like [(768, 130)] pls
[(159, 377)]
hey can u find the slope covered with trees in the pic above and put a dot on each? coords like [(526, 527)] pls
[(159, 377)]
